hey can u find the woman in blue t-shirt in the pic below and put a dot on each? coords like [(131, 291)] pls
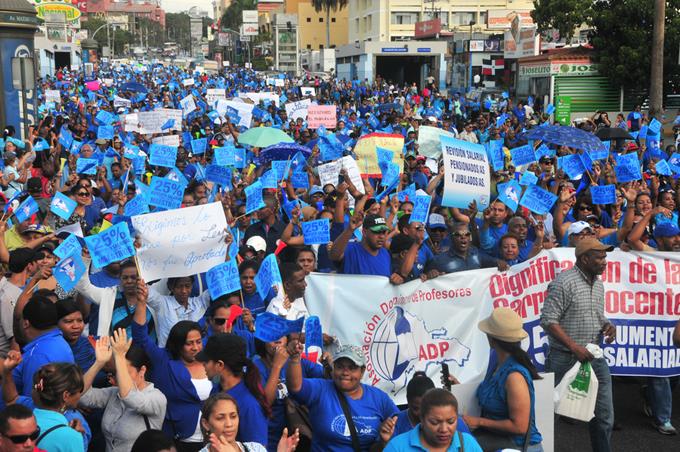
[(372, 411)]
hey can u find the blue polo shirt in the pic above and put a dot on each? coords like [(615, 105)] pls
[(403, 424), (253, 424), (358, 261), (410, 441), (49, 347)]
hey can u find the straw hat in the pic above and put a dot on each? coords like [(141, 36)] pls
[(503, 324)]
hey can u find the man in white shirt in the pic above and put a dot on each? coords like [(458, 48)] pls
[(290, 304), (468, 134)]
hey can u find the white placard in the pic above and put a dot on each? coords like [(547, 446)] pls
[(257, 97), (168, 140), (213, 94), (298, 109), (188, 82), (121, 102), (52, 95), (146, 122), (188, 104), (308, 91), (180, 242), (245, 111)]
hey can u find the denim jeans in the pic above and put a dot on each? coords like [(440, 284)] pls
[(601, 425), (660, 397)]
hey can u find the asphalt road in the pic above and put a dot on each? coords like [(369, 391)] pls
[(635, 431)]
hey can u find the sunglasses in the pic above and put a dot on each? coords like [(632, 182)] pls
[(546, 162), (219, 320), (82, 193), (461, 234), (585, 208), (419, 228), (20, 439)]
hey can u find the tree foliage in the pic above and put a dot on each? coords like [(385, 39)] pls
[(621, 36), (178, 29), (233, 17)]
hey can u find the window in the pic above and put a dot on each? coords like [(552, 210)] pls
[(320, 46), (483, 16), (404, 18), (333, 19), (463, 18), (320, 19), (309, 46), (443, 15), (309, 19)]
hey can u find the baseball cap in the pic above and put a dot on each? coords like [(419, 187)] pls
[(257, 243), (591, 244), (315, 189), (436, 221), (39, 228), (351, 352), (410, 154), (577, 227), (432, 119), (666, 229), (223, 347), (100, 141), (375, 223)]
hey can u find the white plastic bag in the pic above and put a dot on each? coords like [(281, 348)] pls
[(576, 395)]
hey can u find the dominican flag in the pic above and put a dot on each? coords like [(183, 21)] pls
[(491, 67)]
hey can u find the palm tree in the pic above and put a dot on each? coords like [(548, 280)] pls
[(327, 5), (656, 77)]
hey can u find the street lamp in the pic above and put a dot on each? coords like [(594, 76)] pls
[(471, 24)]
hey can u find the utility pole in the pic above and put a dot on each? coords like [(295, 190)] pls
[(656, 76)]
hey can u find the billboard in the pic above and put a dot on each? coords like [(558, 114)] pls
[(428, 28), (250, 16), (501, 19)]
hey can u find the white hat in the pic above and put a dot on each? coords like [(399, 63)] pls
[(257, 243), (577, 227)]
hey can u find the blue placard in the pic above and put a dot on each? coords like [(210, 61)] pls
[(495, 154), (313, 335), (550, 109), (26, 209), (316, 232), (267, 275), (663, 168), (674, 163), (163, 155), (105, 132), (166, 193), (254, 197), (139, 165), (136, 206), (421, 208), (239, 158), (407, 194), (603, 194), (268, 179), (104, 117), (198, 146), (509, 193), (65, 138), (70, 245), (523, 155), (270, 327), (627, 168), (573, 166), (62, 206), (538, 200), (68, 271), (224, 156), (654, 127), (223, 279), (111, 245), (528, 178), (300, 179), (391, 174), (329, 152), (385, 157), (219, 174), (86, 166), (281, 168), (544, 150)]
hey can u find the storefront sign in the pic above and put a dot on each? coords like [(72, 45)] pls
[(573, 68), (394, 49), (534, 70), (424, 49), (428, 28)]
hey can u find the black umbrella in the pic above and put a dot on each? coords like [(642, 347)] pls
[(613, 133)]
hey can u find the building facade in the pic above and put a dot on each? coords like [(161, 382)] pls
[(312, 25)]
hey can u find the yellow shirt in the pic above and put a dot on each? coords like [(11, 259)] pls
[(13, 239)]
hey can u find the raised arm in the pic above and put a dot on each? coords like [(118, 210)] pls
[(340, 244), (102, 353), (294, 369)]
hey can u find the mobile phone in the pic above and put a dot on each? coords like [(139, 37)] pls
[(445, 376)]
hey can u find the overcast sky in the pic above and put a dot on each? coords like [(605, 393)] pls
[(175, 6)]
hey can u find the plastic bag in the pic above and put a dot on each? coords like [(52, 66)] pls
[(576, 395)]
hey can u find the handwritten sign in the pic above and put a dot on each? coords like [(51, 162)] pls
[(223, 279), (166, 193), (316, 232), (111, 245), (322, 115), (168, 140), (181, 242), (213, 94), (271, 327), (150, 122), (367, 158), (267, 275), (52, 95), (329, 173), (298, 109), (467, 177), (162, 155)]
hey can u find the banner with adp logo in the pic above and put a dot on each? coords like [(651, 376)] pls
[(418, 326)]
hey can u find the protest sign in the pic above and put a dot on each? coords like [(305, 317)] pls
[(350, 165), (136, 206), (188, 82), (663, 168), (627, 168), (181, 242), (219, 174), (264, 97), (466, 174), (603, 194), (254, 197), (213, 94), (105, 132), (271, 327), (121, 102), (26, 209), (537, 200), (224, 156), (269, 180), (573, 166), (640, 289), (421, 207), (267, 275), (316, 232), (245, 111), (223, 279), (166, 193), (429, 142), (62, 206), (69, 246), (162, 155), (149, 122), (199, 145), (307, 91), (298, 109), (528, 178), (385, 156), (52, 95), (105, 118), (367, 159), (329, 173), (523, 155), (86, 166), (321, 115), (509, 194), (188, 104), (167, 140), (69, 270), (111, 245)]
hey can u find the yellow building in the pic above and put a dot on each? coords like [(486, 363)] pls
[(312, 25)]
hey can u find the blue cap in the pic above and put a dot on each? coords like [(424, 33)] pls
[(315, 189), (666, 229)]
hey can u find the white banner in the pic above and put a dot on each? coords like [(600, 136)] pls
[(257, 97), (298, 109), (147, 122), (245, 111), (121, 102), (215, 93), (168, 140), (52, 95), (417, 326), (180, 242)]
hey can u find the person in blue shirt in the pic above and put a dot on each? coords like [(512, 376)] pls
[(415, 390), (494, 226), (72, 325), (224, 357), (47, 343), (367, 257), (438, 241), (437, 429), (422, 254), (373, 412), (251, 297), (271, 360), (221, 318), (461, 257)]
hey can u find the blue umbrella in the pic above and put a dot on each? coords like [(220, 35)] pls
[(134, 86), (282, 151), (566, 136)]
